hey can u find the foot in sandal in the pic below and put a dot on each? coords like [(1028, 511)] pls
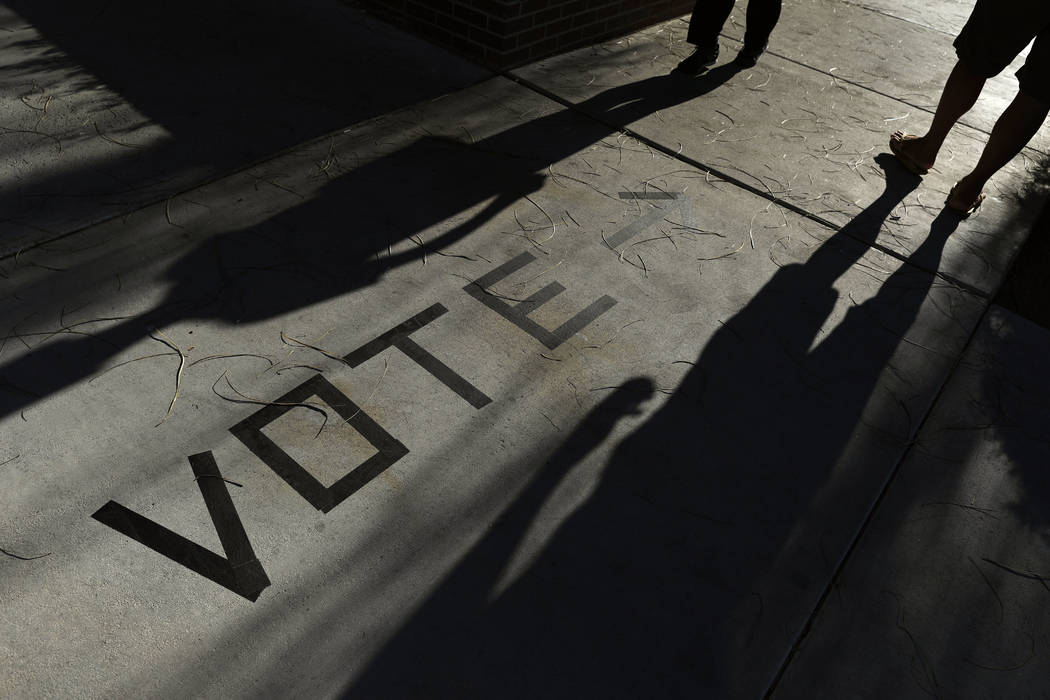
[(910, 151), (964, 199)]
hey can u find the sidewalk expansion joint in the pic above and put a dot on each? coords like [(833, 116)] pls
[(868, 8), (741, 184)]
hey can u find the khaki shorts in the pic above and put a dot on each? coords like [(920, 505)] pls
[(998, 30)]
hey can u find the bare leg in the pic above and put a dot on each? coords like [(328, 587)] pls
[(960, 93), (1012, 131)]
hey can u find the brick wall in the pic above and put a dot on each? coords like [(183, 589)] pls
[(507, 33)]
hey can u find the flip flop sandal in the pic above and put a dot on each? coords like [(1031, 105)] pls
[(964, 211), (898, 138)]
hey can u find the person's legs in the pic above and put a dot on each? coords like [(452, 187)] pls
[(762, 16), (959, 95), (704, 25), (1016, 126), (995, 33), (1012, 132), (707, 20)]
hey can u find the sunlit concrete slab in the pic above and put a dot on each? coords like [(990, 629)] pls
[(796, 134), (940, 16), (481, 397), (945, 594), (900, 49), (106, 107)]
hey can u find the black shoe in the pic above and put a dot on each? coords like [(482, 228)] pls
[(700, 61), (748, 56)]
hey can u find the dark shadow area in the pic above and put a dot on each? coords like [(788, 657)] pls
[(339, 241), (648, 589), (1026, 289), (945, 593), (232, 81), (1014, 401)]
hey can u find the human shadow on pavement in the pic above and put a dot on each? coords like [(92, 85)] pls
[(230, 81), (340, 241), (648, 588)]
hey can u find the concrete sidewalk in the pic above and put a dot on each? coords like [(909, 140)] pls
[(584, 380)]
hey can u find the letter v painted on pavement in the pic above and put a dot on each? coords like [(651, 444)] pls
[(239, 571)]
